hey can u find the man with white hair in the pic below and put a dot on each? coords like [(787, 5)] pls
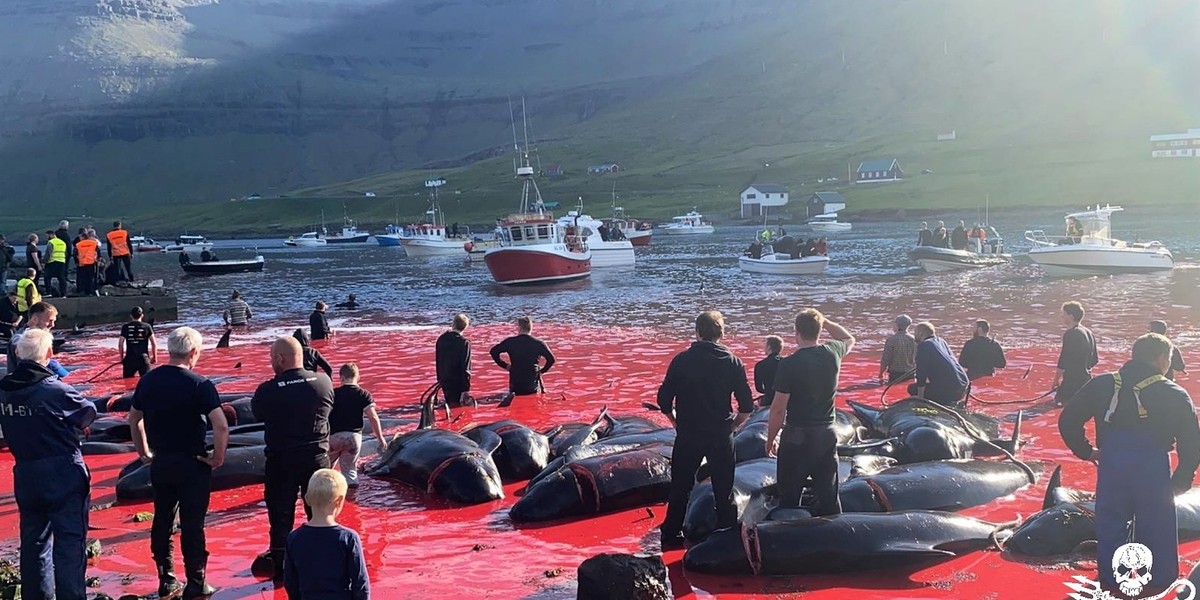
[(40, 316), (170, 407), (42, 418), (294, 408)]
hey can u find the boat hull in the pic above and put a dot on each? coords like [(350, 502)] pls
[(1059, 261), (830, 227), (941, 260), (223, 267), (419, 247), (698, 230), (189, 248), (305, 243), (534, 265), (612, 254), (639, 237), (388, 239), (355, 239), (769, 265)]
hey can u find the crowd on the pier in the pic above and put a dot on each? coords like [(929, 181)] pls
[(1140, 414)]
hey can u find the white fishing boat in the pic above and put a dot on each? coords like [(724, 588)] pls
[(349, 234), (311, 239), (692, 223), (190, 244), (390, 237), (433, 238), (1088, 248), (772, 263), (608, 252), (828, 223)]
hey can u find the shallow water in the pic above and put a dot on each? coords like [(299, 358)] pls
[(614, 335)]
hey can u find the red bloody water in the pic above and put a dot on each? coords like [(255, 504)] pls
[(418, 547)]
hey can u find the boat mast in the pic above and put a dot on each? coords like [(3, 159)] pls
[(435, 210), (524, 168)]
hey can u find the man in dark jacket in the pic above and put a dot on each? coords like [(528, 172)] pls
[(924, 236), (941, 237), (525, 356), (1177, 364), (312, 359), (42, 418), (1077, 356), (318, 325), (982, 355), (939, 377), (958, 237), (1139, 416), (695, 396), (765, 370), (452, 356), (6, 257), (294, 409)]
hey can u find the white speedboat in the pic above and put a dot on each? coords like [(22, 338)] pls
[(311, 239), (690, 224), (1088, 248), (190, 244), (772, 263), (828, 223), (979, 254), (605, 253)]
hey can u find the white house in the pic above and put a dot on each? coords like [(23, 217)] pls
[(760, 198), (1172, 145)]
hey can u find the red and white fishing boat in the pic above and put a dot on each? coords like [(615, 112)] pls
[(534, 247), (638, 233)]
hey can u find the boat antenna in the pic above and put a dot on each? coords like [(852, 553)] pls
[(987, 201)]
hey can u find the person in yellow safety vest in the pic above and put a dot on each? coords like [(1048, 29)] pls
[(56, 265), (766, 235), (87, 252), (27, 292)]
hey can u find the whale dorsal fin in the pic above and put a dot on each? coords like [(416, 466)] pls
[(224, 341)]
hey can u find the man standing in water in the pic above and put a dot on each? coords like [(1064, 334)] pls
[(803, 411), (899, 354), (1177, 364), (524, 366), (453, 359), (1139, 416), (1077, 357), (695, 396), (294, 408), (982, 355), (136, 345)]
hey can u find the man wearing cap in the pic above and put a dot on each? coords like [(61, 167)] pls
[(899, 354)]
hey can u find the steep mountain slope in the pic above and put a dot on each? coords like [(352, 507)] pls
[(124, 104)]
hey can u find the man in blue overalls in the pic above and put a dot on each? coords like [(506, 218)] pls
[(1139, 415), (41, 417)]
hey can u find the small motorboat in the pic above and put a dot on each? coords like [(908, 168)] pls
[(774, 263), (349, 234), (828, 223), (980, 253), (220, 267), (189, 243), (145, 244), (639, 233), (1087, 248), (390, 237), (690, 224), (307, 240)]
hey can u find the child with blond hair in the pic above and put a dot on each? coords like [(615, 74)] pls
[(324, 560)]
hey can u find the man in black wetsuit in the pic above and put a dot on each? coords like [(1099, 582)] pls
[(294, 409), (958, 237), (925, 236), (1077, 357), (1177, 364), (982, 355), (137, 346), (453, 359), (350, 303), (524, 355), (765, 370), (802, 414), (695, 396)]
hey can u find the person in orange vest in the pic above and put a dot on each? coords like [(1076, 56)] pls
[(87, 252), (118, 251)]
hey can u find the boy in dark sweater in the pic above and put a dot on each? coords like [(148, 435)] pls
[(324, 560)]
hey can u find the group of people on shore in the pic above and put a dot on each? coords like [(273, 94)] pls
[(51, 263), (310, 425)]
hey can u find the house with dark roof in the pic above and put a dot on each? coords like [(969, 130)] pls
[(762, 199), (878, 171), (822, 203)]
